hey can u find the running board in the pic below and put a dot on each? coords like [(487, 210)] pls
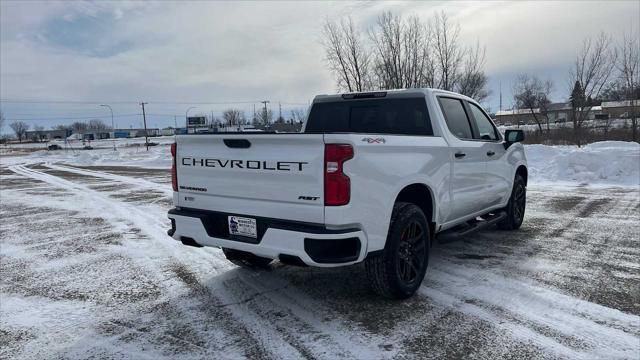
[(470, 227)]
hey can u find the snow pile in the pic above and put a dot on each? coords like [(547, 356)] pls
[(601, 163)]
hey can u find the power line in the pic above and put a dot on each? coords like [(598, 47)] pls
[(90, 102), (29, 101), (68, 118)]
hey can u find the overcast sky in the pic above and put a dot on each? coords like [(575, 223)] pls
[(121, 53)]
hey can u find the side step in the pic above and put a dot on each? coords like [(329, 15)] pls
[(470, 227)]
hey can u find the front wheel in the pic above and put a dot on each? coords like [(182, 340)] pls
[(399, 270), (516, 205)]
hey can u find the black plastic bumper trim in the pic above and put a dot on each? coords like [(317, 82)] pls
[(215, 223), (333, 251)]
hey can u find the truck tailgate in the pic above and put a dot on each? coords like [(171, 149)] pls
[(265, 175)]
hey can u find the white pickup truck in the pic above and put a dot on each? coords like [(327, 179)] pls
[(373, 177)]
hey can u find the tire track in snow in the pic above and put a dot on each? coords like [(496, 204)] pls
[(126, 179), (260, 328), (606, 332), (148, 223), (345, 340), (356, 344)]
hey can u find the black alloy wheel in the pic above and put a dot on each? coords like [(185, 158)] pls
[(411, 254)]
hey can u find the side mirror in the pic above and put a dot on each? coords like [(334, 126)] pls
[(513, 136)]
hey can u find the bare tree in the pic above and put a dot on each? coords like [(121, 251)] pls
[(97, 124), (1, 120), (346, 55), (298, 115), (233, 116), (628, 66), (533, 94), (405, 53), (20, 128), (591, 72), (264, 117), (78, 127), (62, 127), (448, 52), (473, 80), (402, 57)]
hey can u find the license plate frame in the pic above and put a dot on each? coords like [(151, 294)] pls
[(242, 226)]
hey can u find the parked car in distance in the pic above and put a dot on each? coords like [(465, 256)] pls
[(55, 145), (374, 177)]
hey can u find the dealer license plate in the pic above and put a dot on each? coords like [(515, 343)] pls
[(242, 226)]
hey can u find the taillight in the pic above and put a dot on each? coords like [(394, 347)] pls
[(174, 171), (337, 186)]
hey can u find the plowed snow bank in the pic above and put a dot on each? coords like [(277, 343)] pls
[(601, 163)]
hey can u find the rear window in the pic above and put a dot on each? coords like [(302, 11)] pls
[(377, 116)]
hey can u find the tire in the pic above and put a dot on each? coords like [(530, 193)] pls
[(398, 271), (516, 207), (246, 260)]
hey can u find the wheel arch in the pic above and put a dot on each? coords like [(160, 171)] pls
[(420, 195)]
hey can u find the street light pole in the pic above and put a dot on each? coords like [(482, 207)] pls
[(112, 126), (186, 119)]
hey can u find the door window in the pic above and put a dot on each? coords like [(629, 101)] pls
[(486, 129), (456, 117)]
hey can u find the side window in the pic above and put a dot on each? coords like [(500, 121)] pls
[(456, 117), (485, 127)]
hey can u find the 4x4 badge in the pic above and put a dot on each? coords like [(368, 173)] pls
[(379, 140)]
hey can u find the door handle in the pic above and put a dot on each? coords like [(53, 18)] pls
[(490, 153), (460, 155)]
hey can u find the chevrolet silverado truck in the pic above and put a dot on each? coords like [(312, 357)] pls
[(374, 177)]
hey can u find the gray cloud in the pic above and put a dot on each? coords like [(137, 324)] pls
[(220, 51)]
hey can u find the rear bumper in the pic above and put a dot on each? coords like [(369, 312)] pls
[(313, 244)]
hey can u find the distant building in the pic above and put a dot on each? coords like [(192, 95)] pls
[(47, 135), (621, 109), (561, 112), (517, 116)]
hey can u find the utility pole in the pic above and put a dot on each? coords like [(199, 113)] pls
[(175, 121), (144, 118), (280, 111), (266, 119), (500, 95)]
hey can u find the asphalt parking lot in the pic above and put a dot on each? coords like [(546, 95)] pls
[(87, 271)]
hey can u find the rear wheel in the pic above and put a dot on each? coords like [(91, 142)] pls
[(245, 259), (399, 270), (516, 206)]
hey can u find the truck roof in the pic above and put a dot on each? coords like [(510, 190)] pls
[(396, 93)]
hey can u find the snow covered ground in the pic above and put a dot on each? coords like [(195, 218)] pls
[(87, 270)]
